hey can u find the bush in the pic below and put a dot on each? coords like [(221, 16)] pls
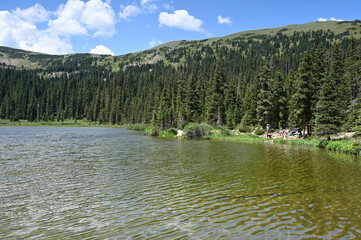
[(224, 131), (152, 131), (246, 124), (197, 131), (169, 133), (259, 132), (173, 131), (245, 129)]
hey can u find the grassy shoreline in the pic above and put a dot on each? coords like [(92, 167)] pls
[(345, 145), (342, 145), (65, 123)]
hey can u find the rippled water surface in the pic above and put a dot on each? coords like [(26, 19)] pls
[(104, 183)]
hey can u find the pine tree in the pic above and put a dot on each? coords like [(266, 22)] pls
[(215, 104), (181, 88), (264, 96), (337, 73), (328, 116), (191, 100), (353, 77), (231, 106), (300, 105)]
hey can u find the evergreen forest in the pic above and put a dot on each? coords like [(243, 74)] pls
[(308, 80)]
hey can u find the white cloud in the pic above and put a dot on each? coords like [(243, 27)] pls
[(46, 43), (129, 11), (321, 19), (145, 7), (102, 50), (99, 16), (75, 17), (180, 19), (68, 21), (36, 13), (150, 8), (17, 33), (145, 2), (154, 42), (222, 20), (334, 19)]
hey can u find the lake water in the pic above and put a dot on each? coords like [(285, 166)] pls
[(107, 183)]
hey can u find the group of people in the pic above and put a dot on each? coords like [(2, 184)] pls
[(290, 132), (285, 132)]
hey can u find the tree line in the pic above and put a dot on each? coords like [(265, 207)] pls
[(308, 80)]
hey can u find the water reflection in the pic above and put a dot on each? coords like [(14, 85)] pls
[(112, 183)]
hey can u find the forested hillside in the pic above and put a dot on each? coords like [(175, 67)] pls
[(306, 79)]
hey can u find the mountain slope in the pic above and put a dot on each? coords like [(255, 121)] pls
[(32, 60)]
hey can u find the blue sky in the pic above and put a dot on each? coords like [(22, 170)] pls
[(120, 27)]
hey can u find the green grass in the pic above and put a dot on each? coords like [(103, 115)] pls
[(243, 137), (344, 145), (66, 123), (137, 127), (166, 134)]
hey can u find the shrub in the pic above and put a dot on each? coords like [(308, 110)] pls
[(224, 131), (173, 131), (168, 133), (152, 131), (197, 131), (259, 132), (246, 124), (245, 129)]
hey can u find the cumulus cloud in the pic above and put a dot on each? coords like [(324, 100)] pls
[(335, 19), (225, 20), (102, 50), (180, 19), (132, 10), (77, 18), (74, 18), (154, 42), (99, 16), (129, 11), (68, 21), (18, 33), (36, 13), (321, 19)]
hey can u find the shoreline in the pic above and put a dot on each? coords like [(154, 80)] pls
[(340, 145), (66, 123), (346, 144)]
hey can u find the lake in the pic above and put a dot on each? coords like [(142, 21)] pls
[(109, 183)]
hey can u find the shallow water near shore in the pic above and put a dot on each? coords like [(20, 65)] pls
[(79, 183)]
